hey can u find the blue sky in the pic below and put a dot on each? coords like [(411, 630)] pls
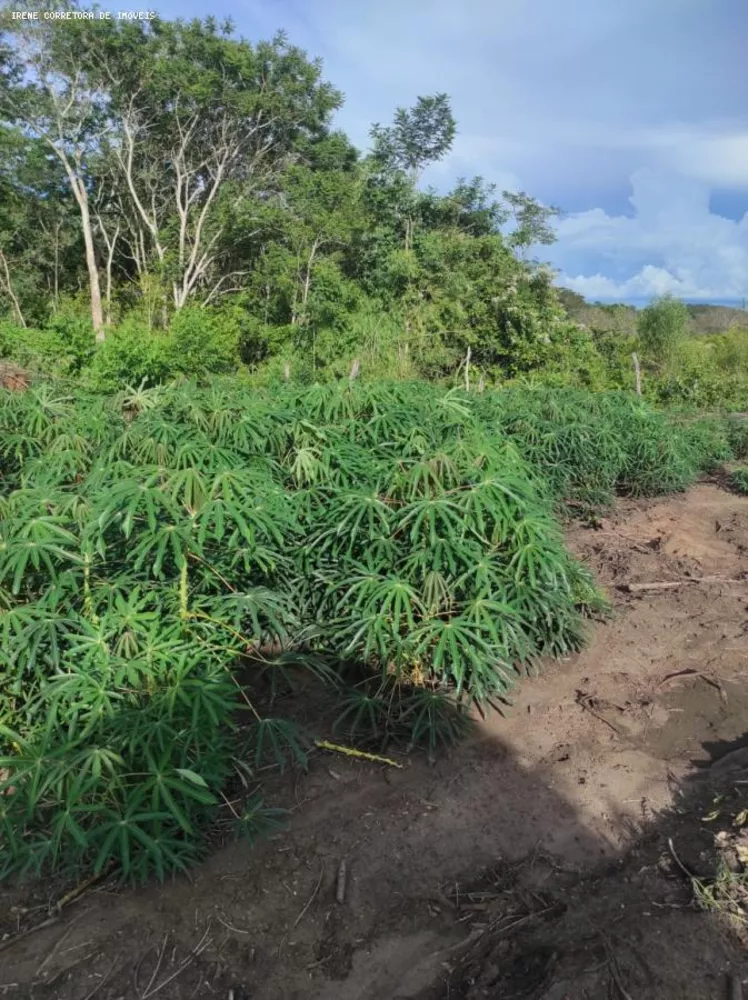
[(630, 115)]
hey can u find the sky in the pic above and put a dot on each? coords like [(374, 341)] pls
[(629, 115)]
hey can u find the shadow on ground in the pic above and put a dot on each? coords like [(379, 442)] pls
[(533, 861), (664, 921), (528, 903)]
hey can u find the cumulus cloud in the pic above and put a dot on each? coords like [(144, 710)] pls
[(713, 152), (568, 102), (673, 243)]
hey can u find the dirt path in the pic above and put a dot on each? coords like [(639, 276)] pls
[(587, 761)]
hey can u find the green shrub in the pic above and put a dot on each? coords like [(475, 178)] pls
[(590, 447), (132, 354), (63, 348), (661, 328), (199, 342), (153, 540), (737, 433), (739, 480), (203, 341)]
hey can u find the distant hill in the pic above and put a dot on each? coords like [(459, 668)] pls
[(621, 318), (716, 319)]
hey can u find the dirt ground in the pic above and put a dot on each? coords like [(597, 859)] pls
[(530, 862)]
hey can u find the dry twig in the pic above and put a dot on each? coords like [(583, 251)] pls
[(635, 588), (585, 702), (103, 980), (58, 944), (152, 990), (313, 896), (690, 672)]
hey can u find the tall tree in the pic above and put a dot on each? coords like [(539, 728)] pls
[(40, 244), (210, 122), (418, 136), (48, 88)]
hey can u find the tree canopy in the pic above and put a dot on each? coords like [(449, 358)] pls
[(149, 167)]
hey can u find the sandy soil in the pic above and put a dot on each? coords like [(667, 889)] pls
[(532, 861)]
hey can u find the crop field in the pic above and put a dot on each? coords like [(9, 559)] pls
[(397, 542), (179, 565), (373, 532)]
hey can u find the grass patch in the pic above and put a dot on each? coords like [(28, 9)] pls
[(739, 479)]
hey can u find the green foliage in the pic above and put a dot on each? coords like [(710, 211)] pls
[(198, 342), (737, 434), (63, 347), (203, 341), (140, 184), (589, 447), (418, 136), (153, 540), (739, 479), (708, 373), (131, 354), (662, 328)]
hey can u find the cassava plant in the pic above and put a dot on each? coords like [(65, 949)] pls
[(174, 559)]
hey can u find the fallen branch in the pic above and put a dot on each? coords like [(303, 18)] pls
[(56, 908), (690, 672), (585, 702), (635, 588), (352, 752), (83, 887)]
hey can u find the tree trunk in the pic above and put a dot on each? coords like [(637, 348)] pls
[(81, 196), (111, 246), (9, 289), (307, 280), (57, 268), (97, 313)]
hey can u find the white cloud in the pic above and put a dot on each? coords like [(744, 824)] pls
[(716, 152), (673, 243), (473, 154), (568, 103)]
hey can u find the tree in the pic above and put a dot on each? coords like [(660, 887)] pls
[(574, 304), (418, 136), (164, 130), (470, 207), (40, 242), (49, 89), (662, 328), (533, 222), (209, 124), (169, 164)]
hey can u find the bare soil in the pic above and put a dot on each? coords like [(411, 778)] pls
[(530, 862)]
